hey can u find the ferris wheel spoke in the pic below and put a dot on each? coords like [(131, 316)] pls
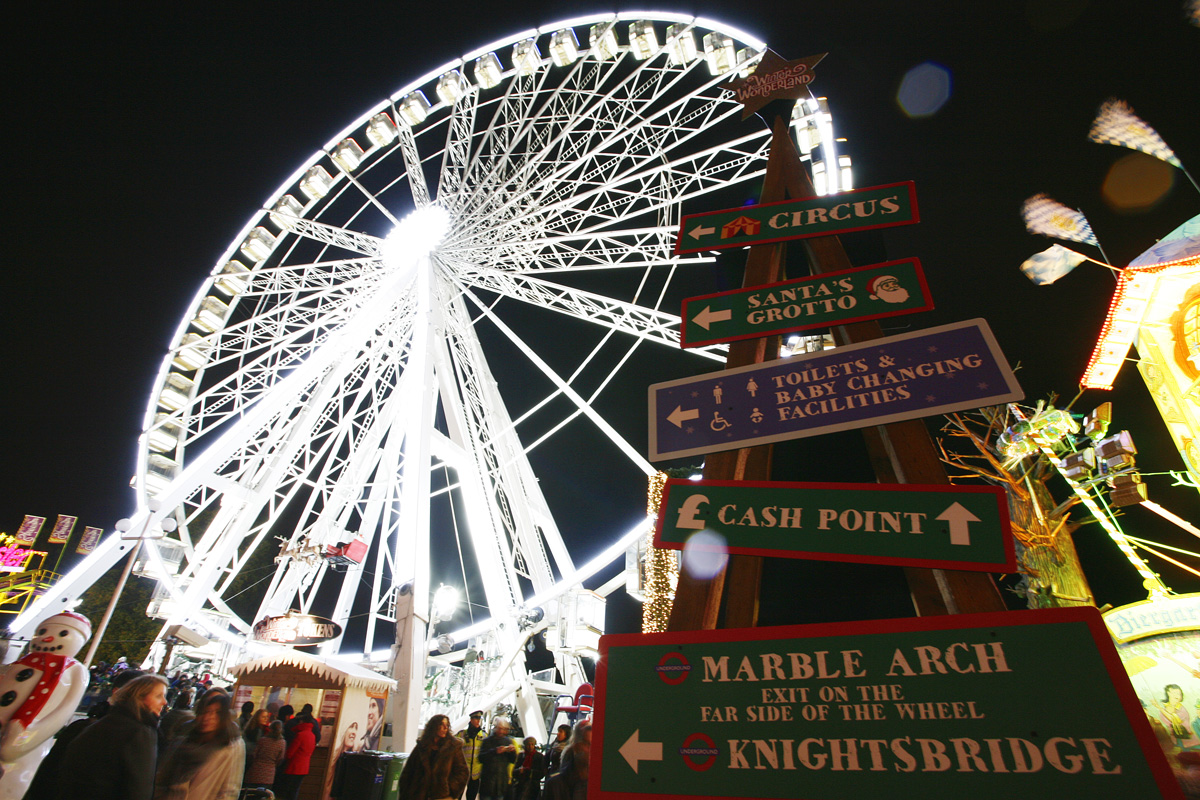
[(412, 164), (287, 344), (617, 129), (452, 181), (645, 323), (345, 239)]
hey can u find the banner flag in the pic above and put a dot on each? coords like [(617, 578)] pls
[(1051, 218), (31, 526), (62, 529), (1050, 265), (89, 540), (1117, 124)]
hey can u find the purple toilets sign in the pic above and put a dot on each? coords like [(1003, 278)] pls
[(933, 371)]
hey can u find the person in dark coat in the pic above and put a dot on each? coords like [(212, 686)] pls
[(554, 751), (436, 768), (114, 758), (295, 762), (495, 754), (529, 771), (571, 781), (44, 785), (172, 724)]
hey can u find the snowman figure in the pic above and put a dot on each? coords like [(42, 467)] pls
[(38, 695)]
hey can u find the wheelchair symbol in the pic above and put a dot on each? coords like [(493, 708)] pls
[(718, 423)]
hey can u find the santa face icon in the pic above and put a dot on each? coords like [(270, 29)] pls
[(887, 289)]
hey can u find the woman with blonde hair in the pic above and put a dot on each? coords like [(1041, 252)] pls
[(436, 768), (114, 757)]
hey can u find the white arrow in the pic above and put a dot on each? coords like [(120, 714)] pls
[(700, 230), (634, 751), (707, 316), (678, 416), (960, 522)]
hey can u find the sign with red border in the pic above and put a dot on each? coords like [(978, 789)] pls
[(827, 215), (982, 706), (936, 527), (831, 298)]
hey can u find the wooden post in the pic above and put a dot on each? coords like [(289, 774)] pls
[(901, 452)]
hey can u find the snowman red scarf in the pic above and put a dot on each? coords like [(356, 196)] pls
[(52, 667)]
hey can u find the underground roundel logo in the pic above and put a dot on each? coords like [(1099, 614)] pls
[(673, 669), (699, 751)]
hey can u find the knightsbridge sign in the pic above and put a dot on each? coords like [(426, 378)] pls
[(981, 706), (296, 629)]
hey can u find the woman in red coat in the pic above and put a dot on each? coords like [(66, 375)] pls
[(295, 764)]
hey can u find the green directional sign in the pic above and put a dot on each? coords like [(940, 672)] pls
[(857, 210), (833, 298), (982, 706), (936, 527)]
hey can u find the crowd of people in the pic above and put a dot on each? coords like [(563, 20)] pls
[(131, 747), (498, 766), (182, 739)]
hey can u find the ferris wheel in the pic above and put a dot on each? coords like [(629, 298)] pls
[(341, 393)]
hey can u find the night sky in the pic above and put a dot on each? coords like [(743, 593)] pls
[(140, 143)]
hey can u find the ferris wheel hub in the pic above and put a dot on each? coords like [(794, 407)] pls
[(416, 236)]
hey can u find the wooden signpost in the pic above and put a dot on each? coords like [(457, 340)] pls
[(901, 451)]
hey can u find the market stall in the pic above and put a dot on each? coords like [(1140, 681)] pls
[(351, 702)]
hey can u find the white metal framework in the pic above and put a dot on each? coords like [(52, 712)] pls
[(336, 375)]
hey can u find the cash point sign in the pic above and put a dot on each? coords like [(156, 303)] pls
[(935, 527), (980, 706)]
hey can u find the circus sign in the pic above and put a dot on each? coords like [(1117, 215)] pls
[(296, 629)]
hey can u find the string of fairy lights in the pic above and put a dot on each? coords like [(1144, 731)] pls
[(660, 567)]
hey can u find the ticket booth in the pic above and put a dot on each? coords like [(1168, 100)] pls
[(351, 702)]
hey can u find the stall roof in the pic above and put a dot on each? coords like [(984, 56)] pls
[(331, 669)]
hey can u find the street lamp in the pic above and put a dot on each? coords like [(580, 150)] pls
[(124, 526)]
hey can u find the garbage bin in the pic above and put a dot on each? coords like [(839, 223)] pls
[(360, 776), (391, 781)]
